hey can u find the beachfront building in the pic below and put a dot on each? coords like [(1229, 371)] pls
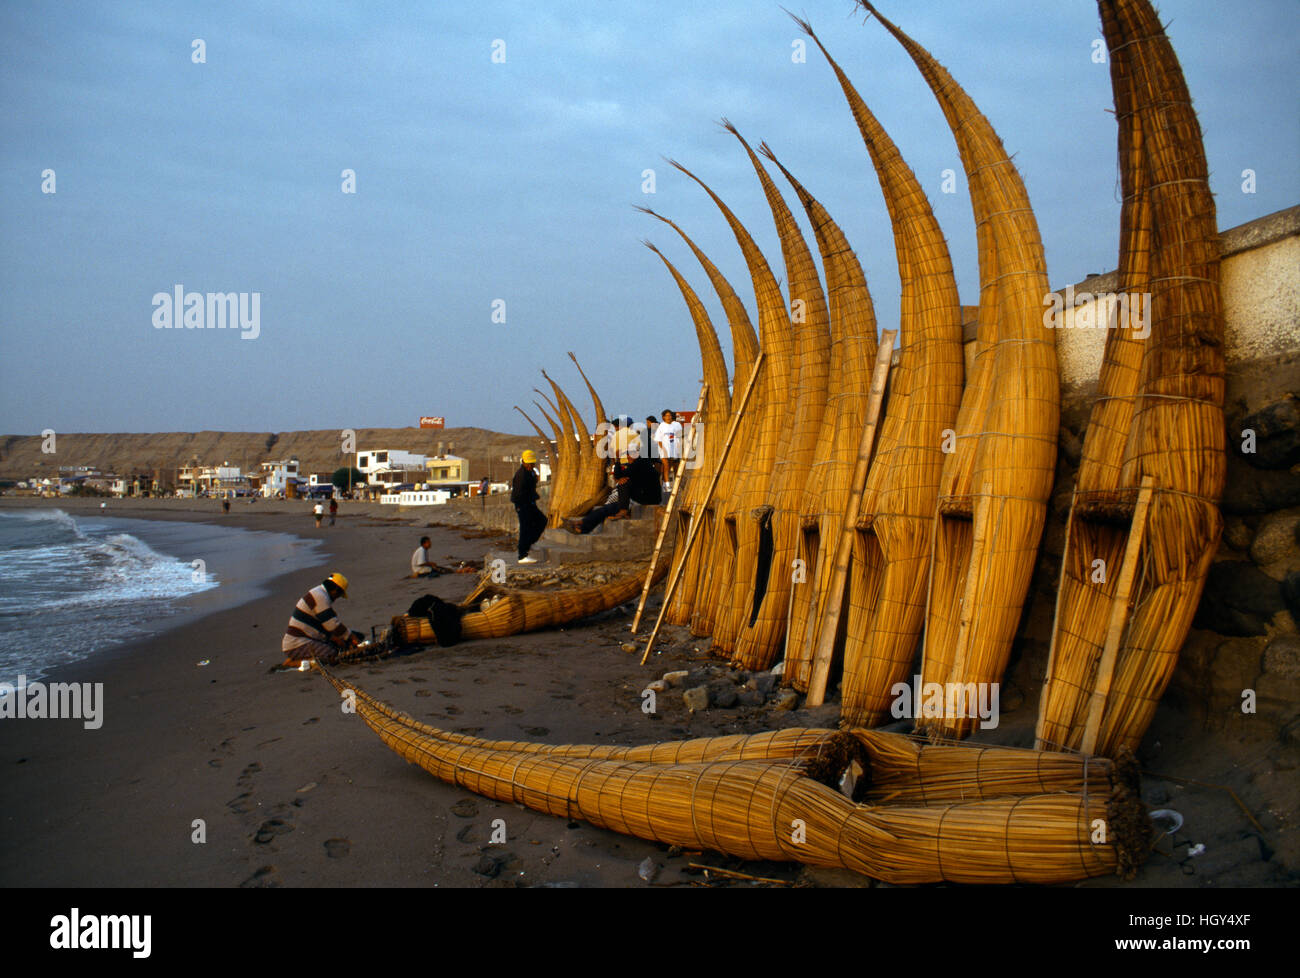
[(447, 468), (386, 467), (279, 476)]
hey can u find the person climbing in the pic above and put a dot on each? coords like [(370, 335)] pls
[(315, 631), (523, 494)]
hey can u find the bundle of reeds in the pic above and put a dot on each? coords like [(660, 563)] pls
[(1106, 676), (715, 409), (493, 611), (891, 544), (853, 349), (993, 500), (760, 438), (718, 538), (761, 637), (782, 803)]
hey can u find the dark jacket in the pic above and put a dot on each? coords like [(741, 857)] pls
[(523, 487), (643, 487)]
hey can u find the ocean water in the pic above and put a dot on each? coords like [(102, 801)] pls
[(70, 588)]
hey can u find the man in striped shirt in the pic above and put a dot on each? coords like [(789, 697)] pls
[(315, 631)]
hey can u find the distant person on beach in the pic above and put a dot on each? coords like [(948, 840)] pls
[(334, 509), (523, 493), (484, 486), (668, 436), (315, 631), (319, 510), (225, 505), (421, 565)]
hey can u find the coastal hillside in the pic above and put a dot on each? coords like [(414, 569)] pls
[(21, 456)]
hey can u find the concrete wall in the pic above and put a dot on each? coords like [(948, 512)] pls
[(1259, 285)]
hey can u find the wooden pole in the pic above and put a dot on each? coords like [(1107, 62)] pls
[(830, 622), (708, 497), (966, 610), (663, 529), (1119, 615)]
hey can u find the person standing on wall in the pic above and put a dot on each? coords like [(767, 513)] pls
[(668, 436), (523, 494)]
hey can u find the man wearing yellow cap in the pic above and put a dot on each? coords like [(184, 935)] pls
[(523, 493), (315, 631)]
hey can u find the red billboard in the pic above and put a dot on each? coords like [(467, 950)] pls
[(433, 422)]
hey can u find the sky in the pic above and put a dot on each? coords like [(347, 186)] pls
[(497, 152)]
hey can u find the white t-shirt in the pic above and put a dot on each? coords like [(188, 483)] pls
[(669, 439), (319, 509), (418, 559)]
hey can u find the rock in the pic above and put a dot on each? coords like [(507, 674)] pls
[(1252, 491), (1291, 595), (697, 677), (696, 698), (1158, 795), (676, 678), (741, 676), (675, 851), (722, 695), (1239, 599), (1277, 434), (648, 869), (750, 697), (1282, 657), (1278, 539), (657, 685), (779, 668), (765, 682), (1237, 535), (788, 699), (628, 647)]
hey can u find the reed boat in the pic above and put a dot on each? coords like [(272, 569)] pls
[(923, 814), (495, 611), (995, 485), (1144, 519)]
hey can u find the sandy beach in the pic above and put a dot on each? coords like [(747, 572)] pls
[(292, 791)]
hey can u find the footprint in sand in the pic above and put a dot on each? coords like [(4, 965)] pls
[(453, 711), (423, 692), (270, 829), (509, 710), (537, 731), (264, 877), (337, 848), (465, 808), (308, 722), (449, 694), (215, 762), (239, 804)]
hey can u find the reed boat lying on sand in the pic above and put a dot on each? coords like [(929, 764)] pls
[(492, 611), (927, 814)]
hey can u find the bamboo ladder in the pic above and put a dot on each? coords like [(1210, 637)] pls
[(704, 502), (667, 518)]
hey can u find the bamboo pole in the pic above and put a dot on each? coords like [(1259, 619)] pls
[(708, 496), (967, 609), (1119, 615), (830, 622), (663, 528)]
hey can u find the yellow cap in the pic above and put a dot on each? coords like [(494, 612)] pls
[(341, 581), (529, 455)]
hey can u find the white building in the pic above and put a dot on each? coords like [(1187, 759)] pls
[(392, 466), (276, 476)]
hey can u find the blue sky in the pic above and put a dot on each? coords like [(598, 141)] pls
[(479, 181)]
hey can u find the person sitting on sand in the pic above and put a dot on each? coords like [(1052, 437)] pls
[(315, 631), (421, 565)]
